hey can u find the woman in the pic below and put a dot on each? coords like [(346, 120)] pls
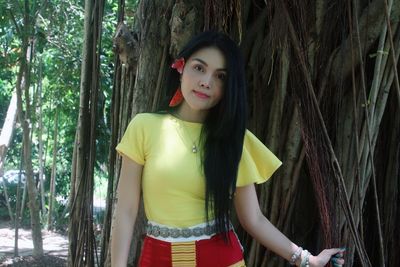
[(194, 161)]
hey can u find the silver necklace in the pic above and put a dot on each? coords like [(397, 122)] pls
[(194, 146), (181, 126)]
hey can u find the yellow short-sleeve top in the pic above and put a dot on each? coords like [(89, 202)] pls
[(173, 182)]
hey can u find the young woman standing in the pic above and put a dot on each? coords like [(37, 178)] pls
[(194, 161)]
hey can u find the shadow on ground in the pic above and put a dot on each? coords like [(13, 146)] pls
[(55, 248)]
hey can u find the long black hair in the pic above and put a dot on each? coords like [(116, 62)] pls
[(224, 127)]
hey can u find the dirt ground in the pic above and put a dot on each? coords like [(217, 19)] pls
[(55, 248)]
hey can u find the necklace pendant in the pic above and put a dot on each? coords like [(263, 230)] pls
[(194, 149)]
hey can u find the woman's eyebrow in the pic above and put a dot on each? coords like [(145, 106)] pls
[(204, 63)]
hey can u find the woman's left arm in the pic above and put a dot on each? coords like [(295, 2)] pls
[(258, 226)]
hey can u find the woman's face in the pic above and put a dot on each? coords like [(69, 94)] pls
[(203, 79)]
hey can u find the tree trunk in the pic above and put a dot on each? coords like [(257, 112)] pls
[(53, 175), (7, 130), (134, 90), (40, 140), (321, 80), (17, 211), (23, 82), (5, 140), (24, 190), (32, 192), (82, 243), (105, 259)]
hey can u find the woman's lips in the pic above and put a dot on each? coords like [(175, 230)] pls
[(200, 94)]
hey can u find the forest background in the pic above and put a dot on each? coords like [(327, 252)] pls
[(323, 93)]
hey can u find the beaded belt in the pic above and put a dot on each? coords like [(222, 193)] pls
[(165, 232)]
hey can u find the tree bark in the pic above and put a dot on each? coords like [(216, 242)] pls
[(5, 140), (53, 175), (23, 83), (18, 213), (139, 88), (322, 194), (40, 140), (82, 246)]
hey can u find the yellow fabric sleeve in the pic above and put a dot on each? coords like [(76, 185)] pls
[(133, 141), (257, 164)]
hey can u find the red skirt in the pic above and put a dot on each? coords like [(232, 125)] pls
[(213, 252)]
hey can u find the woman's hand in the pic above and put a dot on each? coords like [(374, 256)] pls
[(333, 254)]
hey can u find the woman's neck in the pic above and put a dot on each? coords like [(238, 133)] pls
[(184, 112)]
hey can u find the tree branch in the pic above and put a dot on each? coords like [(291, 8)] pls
[(15, 23), (370, 24)]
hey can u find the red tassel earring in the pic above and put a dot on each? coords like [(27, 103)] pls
[(177, 98), (178, 64)]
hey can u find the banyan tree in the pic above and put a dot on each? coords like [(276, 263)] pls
[(324, 96)]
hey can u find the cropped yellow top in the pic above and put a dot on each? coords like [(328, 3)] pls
[(173, 183)]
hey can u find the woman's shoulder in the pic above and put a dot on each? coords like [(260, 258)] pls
[(148, 122), (149, 118)]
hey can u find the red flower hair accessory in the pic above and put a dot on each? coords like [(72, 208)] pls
[(178, 64)]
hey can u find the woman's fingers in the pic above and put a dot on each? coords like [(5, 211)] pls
[(335, 251), (337, 257), (339, 261)]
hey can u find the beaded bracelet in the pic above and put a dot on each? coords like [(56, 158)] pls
[(305, 261), (295, 256)]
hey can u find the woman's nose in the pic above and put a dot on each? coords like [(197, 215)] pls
[(205, 82)]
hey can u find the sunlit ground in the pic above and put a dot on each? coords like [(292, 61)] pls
[(53, 243)]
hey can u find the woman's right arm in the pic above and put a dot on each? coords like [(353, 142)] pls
[(128, 197)]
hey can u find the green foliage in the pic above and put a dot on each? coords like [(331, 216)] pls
[(9, 48), (58, 35)]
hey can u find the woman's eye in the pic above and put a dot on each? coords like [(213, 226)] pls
[(198, 68), (221, 76)]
